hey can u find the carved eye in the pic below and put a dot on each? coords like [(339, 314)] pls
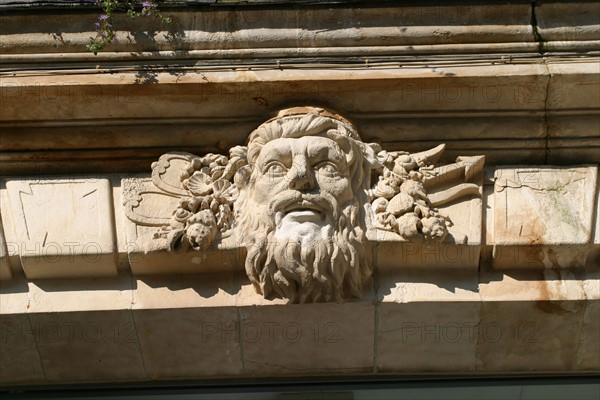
[(327, 168), (275, 169)]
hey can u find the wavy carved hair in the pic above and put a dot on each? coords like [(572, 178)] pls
[(349, 265)]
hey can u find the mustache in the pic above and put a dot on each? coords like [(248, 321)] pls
[(323, 201)]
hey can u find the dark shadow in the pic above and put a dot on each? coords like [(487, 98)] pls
[(120, 282), (18, 284), (205, 285), (469, 279)]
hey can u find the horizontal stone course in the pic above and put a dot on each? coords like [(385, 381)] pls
[(490, 327)]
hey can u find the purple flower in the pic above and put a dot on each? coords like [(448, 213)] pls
[(103, 17), (148, 4)]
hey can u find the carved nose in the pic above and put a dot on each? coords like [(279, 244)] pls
[(301, 179)]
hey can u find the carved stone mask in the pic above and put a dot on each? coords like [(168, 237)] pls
[(300, 208), (302, 197)]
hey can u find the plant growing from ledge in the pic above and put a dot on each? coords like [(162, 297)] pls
[(105, 33)]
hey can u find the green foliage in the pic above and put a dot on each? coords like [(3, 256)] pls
[(105, 33)]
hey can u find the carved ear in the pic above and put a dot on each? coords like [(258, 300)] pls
[(167, 171)]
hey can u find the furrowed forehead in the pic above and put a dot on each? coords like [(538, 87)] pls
[(314, 147)]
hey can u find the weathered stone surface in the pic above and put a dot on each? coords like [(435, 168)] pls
[(148, 256), (88, 346), (427, 336), (454, 290), (65, 295), (288, 31), (189, 342), (597, 218), (415, 285), (538, 312), (19, 361), (555, 21), (308, 339), (398, 107), (588, 352), (63, 227), (573, 86), (304, 198), (523, 337), (185, 291), (543, 217), (183, 328)]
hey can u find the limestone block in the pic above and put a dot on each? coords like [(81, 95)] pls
[(588, 352), (427, 320), (187, 325), (185, 291), (537, 311), (151, 207), (543, 216), (79, 294), (522, 336), (19, 359), (428, 336), (88, 346), (556, 21), (573, 86), (63, 227), (408, 285), (461, 247), (5, 272), (307, 338), (189, 342), (535, 284)]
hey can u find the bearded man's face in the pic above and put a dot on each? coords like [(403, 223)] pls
[(297, 210), (301, 182)]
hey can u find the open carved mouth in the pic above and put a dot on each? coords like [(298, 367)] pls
[(304, 211)]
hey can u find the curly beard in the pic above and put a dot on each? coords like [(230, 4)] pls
[(325, 262)]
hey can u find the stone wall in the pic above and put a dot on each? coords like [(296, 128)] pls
[(96, 281)]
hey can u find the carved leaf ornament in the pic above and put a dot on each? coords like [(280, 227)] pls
[(310, 179)]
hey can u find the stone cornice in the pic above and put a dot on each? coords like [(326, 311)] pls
[(121, 116), (367, 30)]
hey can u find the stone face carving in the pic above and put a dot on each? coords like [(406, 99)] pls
[(302, 207), (301, 198)]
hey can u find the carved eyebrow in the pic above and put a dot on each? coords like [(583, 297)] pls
[(325, 153), (280, 153)]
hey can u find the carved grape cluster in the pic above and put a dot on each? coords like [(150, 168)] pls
[(208, 208), (400, 200)]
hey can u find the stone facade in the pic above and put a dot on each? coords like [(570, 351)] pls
[(301, 190)]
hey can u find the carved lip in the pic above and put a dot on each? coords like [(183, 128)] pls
[(304, 211)]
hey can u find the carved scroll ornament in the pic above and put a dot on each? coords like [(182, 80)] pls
[(301, 196)]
